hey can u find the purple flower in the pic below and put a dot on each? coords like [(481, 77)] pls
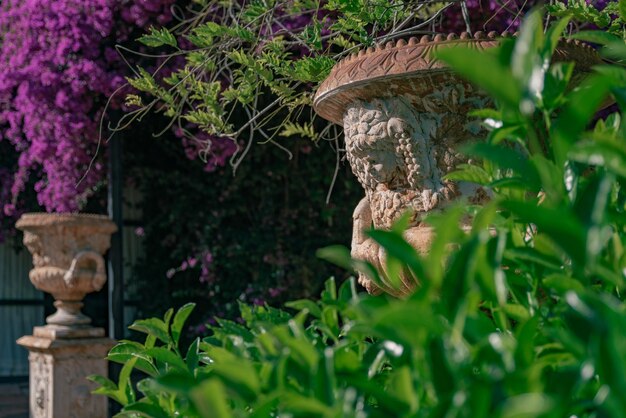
[(275, 291), (56, 76)]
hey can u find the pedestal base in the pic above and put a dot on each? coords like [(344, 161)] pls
[(58, 373)]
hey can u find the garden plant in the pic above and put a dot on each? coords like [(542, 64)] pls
[(522, 316)]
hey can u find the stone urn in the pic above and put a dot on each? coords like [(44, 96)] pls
[(68, 261), (404, 115)]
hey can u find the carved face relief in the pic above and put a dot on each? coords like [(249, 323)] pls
[(392, 156), (400, 152)]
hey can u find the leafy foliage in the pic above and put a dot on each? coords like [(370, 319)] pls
[(249, 67), (524, 315), (603, 14)]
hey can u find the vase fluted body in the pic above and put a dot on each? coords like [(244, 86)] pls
[(68, 259)]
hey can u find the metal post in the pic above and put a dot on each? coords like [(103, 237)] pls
[(116, 255), (116, 261)]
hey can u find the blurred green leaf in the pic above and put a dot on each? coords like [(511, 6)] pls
[(491, 75), (336, 254), (210, 400), (596, 37), (153, 326), (303, 304), (179, 320), (582, 103)]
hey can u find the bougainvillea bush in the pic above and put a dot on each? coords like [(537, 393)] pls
[(59, 66), (523, 316)]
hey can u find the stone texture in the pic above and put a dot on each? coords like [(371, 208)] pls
[(62, 332), (58, 372), (404, 115), (68, 259)]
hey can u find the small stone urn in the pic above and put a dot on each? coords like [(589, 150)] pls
[(404, 115), (68, 260)]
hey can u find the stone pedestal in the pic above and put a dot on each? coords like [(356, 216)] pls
[(59, 365), (68, 262)]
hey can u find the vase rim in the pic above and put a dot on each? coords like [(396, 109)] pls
[(42, 219), (408, 68)]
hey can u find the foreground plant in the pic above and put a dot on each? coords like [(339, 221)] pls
[(524, 315)]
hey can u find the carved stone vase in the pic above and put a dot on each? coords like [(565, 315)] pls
[(404, 115), (68, 261)]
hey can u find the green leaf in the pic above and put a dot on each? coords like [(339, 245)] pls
[(605, 154), (347, 291), (525, 61), (153, 326), (234, 329), (506, 158), (307, 304), (582, 104), (193, 355), (158, 37), (126, 350), (126, 392), (305, 130), (325, 379), (329, 294), (568, 232), (179, 320), (175, 381), (596, 37), (336, 254), (312, 68), (471, 173), (447, 232), (491, 75), (210, 399), (105, 384), (304, 406), (527, 405), (562, 283), (517, 312), (240, 376), (107, 388), (553, 36), (401, 386), (397, 247), (165, 356), (147, 410), (529, 255), (555, 84)]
